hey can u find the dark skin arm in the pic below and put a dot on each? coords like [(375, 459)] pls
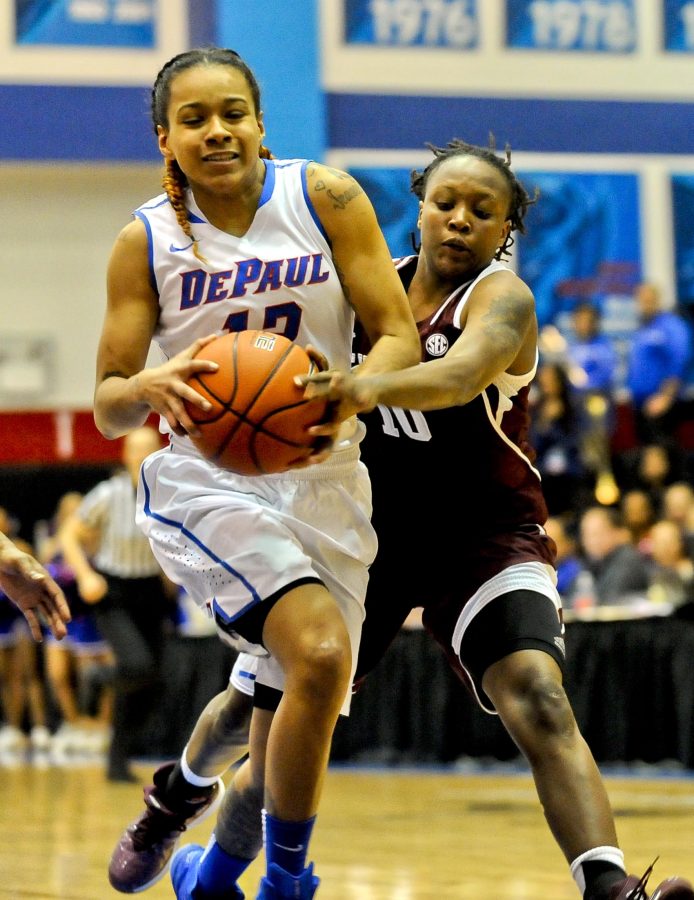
[(499, 335)]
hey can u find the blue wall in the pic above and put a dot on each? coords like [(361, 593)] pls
[(282, 49), (97, 124)]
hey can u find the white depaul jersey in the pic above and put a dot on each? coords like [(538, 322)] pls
[(278, 277)]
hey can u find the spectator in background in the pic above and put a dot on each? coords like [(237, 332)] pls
[(79, 670), (678, 507), (619, 571), (591, 355), (21, 685), (116, 572), (657, 365), (569, 564), (639, 515), (672, 569), (592, 366), (556, 435), (651, 468)]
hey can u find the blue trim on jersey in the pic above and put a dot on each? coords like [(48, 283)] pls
[(269, 183), (308, 201), (372, 121), (150, 249), (242, 673), (205, 550)]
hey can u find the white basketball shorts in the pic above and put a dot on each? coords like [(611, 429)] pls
[(232, 540)]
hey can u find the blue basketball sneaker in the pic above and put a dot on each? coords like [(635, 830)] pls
[(280, 885), (184, 876)]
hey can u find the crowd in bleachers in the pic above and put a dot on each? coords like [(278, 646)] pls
[(616, 459)]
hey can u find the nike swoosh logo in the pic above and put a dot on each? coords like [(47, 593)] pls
[(174, 249), (297, 849)]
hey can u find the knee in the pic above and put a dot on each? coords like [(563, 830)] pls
[(548, 707), (323, 666), (534, 702)]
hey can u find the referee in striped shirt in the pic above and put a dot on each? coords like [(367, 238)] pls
[(116, 571)]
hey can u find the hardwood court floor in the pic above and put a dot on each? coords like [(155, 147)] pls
[(381, 835)]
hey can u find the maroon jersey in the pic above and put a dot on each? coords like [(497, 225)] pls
[(456, 498), (470, 467)]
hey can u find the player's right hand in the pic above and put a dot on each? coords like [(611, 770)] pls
[(165, 388)]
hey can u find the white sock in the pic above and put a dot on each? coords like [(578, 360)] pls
[(190, 776), (607, 854)]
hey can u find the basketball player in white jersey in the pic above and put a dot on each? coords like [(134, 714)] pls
[(239, 241)]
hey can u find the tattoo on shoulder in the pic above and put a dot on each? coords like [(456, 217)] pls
[(340, 199), (506, 313)]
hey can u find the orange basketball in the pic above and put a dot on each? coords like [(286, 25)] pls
[(259, 420)]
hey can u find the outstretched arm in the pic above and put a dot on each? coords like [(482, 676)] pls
[(499, 335), (32, 590)]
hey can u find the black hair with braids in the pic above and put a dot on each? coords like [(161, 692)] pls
[(174, 180), (200, 56), (520, 199)]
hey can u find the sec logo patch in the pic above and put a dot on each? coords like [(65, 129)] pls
[(436, 344)]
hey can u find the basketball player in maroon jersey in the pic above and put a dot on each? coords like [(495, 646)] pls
[(458, 504)]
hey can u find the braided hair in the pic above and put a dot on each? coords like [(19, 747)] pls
[(520, 199), (174, 180)]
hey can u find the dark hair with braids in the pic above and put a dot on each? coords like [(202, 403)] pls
[(520, 199), (174, 181)]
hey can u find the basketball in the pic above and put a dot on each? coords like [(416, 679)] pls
[(258, 421)]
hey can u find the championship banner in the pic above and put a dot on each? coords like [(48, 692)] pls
[(583, 239), (89, 42), (589, 26), (683, 216), (90, 23), (678, 32), (412, 23)]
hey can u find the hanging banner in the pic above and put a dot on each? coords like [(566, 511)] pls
[(89, 42), (86, 23), (678, 31), (590, 26), (683, 213), (412, 23)]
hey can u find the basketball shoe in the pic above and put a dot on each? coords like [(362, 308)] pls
[(633, 888), (280, 885), (184, 874), (143, 853)]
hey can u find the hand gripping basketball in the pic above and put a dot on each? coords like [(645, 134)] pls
[(258, 421)]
